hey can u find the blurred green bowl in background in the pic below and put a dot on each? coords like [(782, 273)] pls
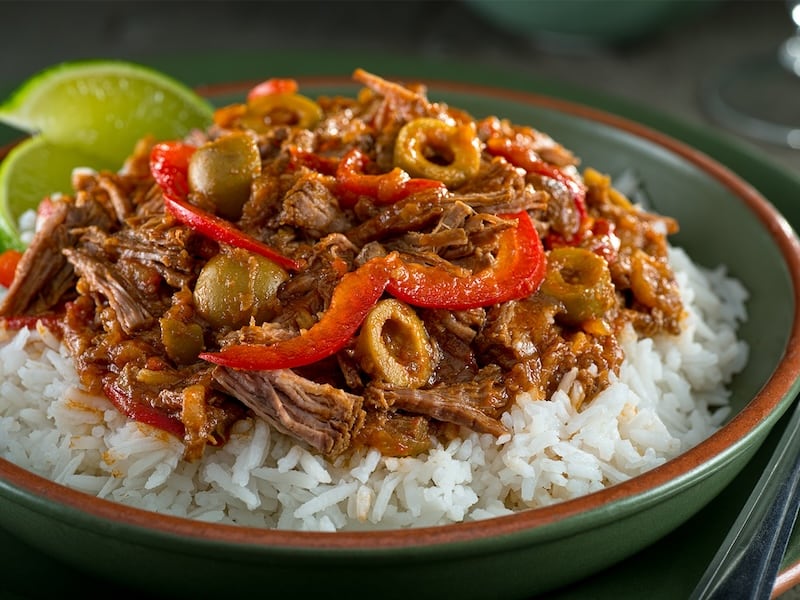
[(582, 22)]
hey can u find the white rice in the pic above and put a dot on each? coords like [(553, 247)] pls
[(670, 395)]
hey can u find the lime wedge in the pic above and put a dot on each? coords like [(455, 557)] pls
[(103, 107), (33, 169), (86, 113)]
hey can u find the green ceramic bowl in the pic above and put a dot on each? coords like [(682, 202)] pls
[(724, 220), (581, 22)]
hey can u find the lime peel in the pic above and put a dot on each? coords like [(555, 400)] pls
[(88, 113), (104, 107), (33, 169)]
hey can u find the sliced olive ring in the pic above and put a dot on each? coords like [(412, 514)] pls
[(580, 279), (290, 109), (434, 149), (393, 345)]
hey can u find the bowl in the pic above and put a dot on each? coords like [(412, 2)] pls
[(582, 23), (514, 556)]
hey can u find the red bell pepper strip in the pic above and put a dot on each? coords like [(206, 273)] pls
[(222, 231), (271, 86), (169, 165), (8, 266), (51, 321), (517, 272), (142, 413), (354, 296), (385, 188), (326, 165), (525, 158)]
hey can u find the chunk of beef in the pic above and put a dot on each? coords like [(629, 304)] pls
[(563, 213), (321, 415), (515, 335), (499, 188), (475, 404), (311, 206), (266, 195), (116, 191), (308, 292), (517, 330), (431, 208), (167, 251), (415, 212), (471, 246), (454, 332), (100, 276), (525, 340), (44, 275)]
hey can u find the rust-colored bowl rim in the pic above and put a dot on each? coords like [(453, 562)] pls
[(774, 396)]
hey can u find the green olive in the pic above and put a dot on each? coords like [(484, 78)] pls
[(433, 149), (182, 341), (223, 170), (394, 346), (234, 287), (580, 279)]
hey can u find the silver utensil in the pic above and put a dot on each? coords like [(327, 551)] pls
[(747, 563)]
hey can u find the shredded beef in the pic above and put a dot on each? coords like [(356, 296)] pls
[(310, 205), (319, 414), (44, 277), (474, 404)]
